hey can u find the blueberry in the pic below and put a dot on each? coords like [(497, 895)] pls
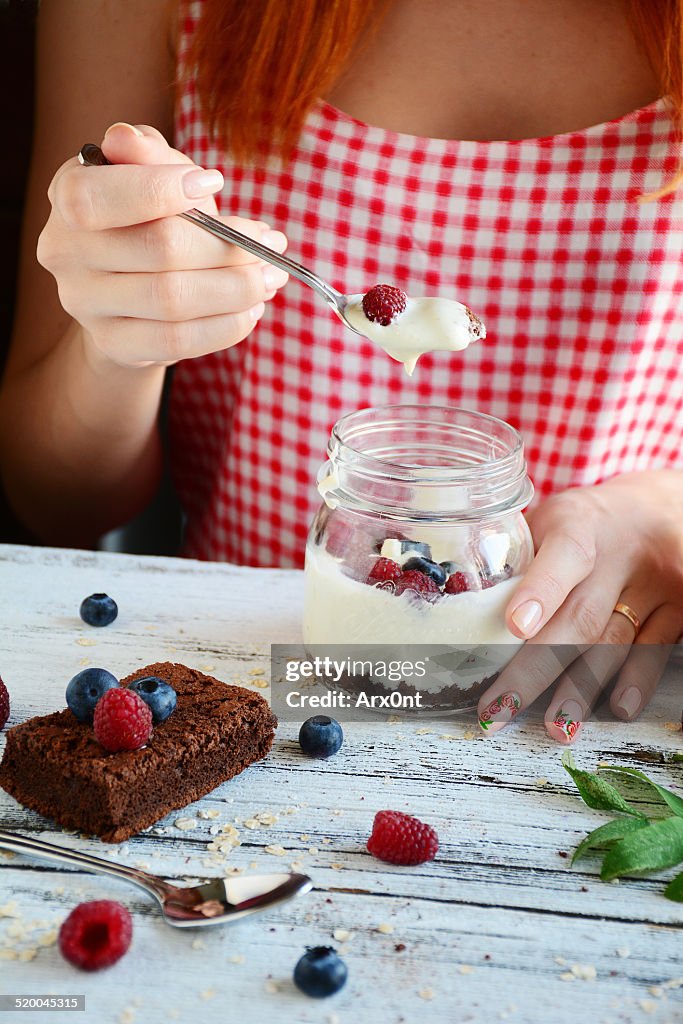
[(450, 567), (320, 972), (159, 696), (99, 610), (427, 567), (320, 736), (417, 546), (85, 689)]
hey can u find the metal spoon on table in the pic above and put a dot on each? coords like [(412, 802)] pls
[(92, 156), (216, 901)]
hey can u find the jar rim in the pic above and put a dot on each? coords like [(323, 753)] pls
[(477, 469), (429, 416)]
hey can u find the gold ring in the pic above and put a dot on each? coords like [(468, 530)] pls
[(624, 609)]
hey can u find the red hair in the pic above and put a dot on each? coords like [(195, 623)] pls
[(259, 66)]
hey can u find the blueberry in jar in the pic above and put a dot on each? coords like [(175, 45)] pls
[(450, 567), (435, 571)]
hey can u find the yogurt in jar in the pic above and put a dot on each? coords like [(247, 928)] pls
[(342, 614), (340, 610)]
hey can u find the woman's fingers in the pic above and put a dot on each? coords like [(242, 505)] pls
[(565, 558), (647, 659), (532, 670), (100, 198), (139, 144), (134, 342), (586, 618), (175, 244), (186, 294), (147, 285), (567, 530), (581, 685)]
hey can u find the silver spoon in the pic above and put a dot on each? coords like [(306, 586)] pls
[(217, 901), (92, 156)]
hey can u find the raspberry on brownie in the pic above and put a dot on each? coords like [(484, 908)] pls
[(55, 765)]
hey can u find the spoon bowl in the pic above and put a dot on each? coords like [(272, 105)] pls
[(216, 901)]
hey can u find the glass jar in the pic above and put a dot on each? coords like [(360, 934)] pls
[(420, 539)]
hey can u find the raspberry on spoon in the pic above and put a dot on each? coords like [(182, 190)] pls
[(384, 303)]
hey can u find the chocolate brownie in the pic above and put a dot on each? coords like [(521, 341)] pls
[(54, 765)]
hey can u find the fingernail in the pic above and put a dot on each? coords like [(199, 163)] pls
[(274, 278), (527, 616), (200, 183), (274, 240), (256, 312), (567, 722), (499, 712), (124, 124), (630, 701)]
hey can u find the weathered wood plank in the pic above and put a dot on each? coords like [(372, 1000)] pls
[(504, 807)]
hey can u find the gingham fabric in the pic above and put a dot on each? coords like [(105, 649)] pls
[(579, 284)]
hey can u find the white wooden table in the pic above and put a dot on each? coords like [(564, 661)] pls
[(491, 930)]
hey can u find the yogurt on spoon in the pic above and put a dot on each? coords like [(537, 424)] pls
[(407, 328)]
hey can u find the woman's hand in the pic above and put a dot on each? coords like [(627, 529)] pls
[(616, 542), (148, 287)]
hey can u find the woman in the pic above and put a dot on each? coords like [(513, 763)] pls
[(452, 153)]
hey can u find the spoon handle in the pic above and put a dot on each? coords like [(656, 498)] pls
[(91, 156), (49, 851)]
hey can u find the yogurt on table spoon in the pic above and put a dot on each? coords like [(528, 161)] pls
[(407, 328)]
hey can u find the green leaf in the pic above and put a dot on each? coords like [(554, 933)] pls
[(674, 890), (597, 793), (658, 846), (606, 835), (674, 801)]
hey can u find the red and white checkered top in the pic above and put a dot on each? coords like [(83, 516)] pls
[(579, 284)]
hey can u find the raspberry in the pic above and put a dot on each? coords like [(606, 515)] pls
[(122, 720), (384, 569), (4, 704), (96, 934), (459, 583), (383, 303), (417, 583), (401, 839)]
